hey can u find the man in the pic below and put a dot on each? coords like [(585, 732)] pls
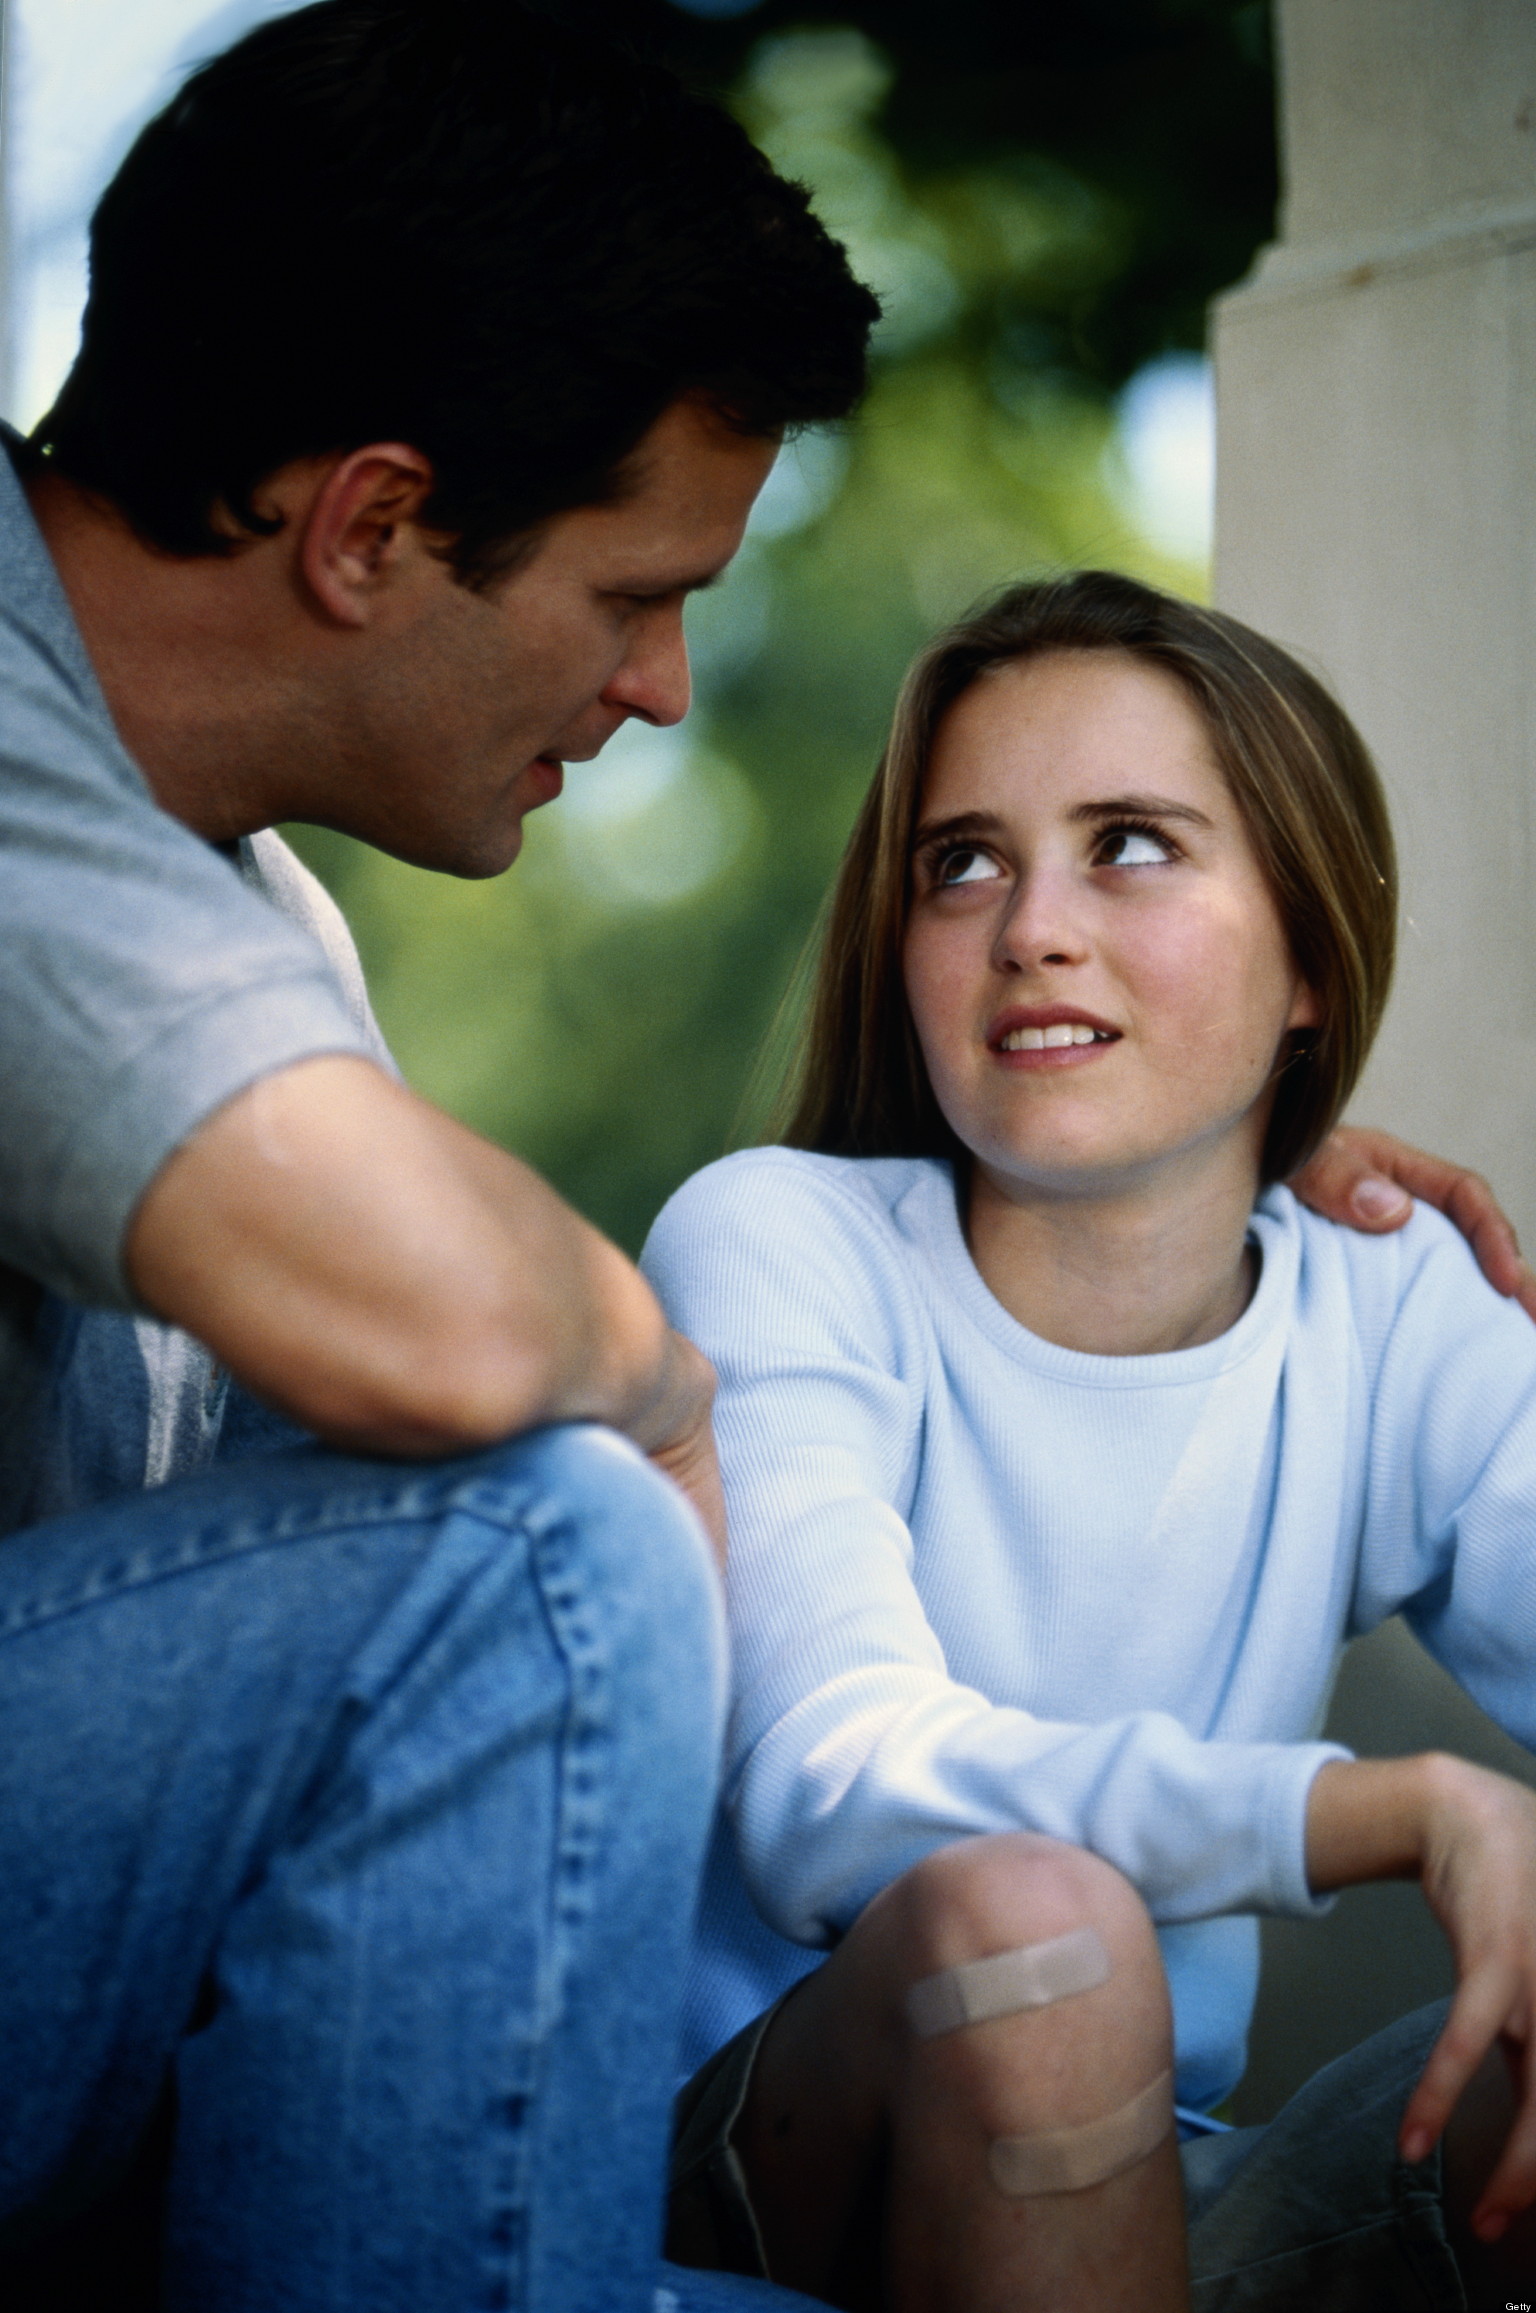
[(353, 1795), (356, 1804)]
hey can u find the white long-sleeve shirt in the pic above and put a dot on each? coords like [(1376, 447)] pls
[(983, 1583)]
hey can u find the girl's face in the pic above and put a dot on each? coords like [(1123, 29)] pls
[(1097, 971)]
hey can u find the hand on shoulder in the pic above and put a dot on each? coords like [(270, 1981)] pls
[(1368, 1181)]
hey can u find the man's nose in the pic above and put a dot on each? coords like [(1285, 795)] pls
[(653, 681)]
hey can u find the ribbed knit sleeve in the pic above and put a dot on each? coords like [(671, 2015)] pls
[(1450, 1523), (853, 1750)]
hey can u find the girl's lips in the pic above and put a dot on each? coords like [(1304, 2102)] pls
[(1052, 1056), (1048, 1036), (1017, 1016)]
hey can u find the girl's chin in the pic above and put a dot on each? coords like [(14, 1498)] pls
[(1058, 1149), (1066, 1168)]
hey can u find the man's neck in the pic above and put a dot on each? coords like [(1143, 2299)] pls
[(1131, 1272), (176, 645)]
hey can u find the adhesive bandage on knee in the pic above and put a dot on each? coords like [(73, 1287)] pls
[(1068, 2160), (1031, 1977)]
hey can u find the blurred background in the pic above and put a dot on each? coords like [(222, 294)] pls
[(1045, 199)]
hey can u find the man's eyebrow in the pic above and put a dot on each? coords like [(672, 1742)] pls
[(1141, 807)]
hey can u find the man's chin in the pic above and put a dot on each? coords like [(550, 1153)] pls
[(492, 855), (474, 858)]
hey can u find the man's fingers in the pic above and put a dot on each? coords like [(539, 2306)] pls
[(1345, 1182), (1367, 1180), (1471, 1205)]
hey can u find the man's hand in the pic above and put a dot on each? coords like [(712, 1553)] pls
[(1469, 1837), (682, 1440), (399, 1286), (1367, 1180)]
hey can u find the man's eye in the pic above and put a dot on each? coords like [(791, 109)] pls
[(966, 865), (1134, 847)]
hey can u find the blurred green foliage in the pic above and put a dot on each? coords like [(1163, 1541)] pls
[(599, 1009)]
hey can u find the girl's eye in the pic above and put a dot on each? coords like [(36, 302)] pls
[(963, 864), (1134, 847)]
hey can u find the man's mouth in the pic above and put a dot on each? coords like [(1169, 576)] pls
[(548, 776)]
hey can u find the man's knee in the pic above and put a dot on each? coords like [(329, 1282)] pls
[(622, 1563), (633, 1528)]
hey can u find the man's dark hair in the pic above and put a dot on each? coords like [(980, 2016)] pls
[(451, 223)]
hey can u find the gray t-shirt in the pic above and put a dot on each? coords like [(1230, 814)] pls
[(145, 978)]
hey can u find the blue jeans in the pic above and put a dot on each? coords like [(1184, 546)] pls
[(351, 1816)]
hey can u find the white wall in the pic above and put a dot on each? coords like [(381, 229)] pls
[(1376, 508)]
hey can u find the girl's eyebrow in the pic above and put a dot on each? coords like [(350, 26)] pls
[(1141, 807), (962, 824)]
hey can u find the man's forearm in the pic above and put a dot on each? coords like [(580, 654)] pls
[(392, 1281)]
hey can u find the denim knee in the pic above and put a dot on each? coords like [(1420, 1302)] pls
[(619, 1549)]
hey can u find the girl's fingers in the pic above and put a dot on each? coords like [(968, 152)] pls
[(1512, 2186), (1478, 2014)]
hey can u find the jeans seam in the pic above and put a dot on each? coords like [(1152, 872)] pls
[(579, 1819), (215, 1541)]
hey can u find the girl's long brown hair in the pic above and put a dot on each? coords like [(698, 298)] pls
[(1302, 779)]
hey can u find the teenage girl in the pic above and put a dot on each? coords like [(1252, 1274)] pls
[(1063, 1452)]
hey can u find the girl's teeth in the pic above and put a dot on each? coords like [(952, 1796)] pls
[(1052, 1039)]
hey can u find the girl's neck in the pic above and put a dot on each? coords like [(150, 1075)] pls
[(1130, 1273)]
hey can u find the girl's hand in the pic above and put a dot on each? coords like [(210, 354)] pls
[(1367, 1180), (1469, 1837), (1479, 1879)]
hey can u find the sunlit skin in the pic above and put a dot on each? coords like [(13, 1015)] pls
[(339, 672), (1080, 860)]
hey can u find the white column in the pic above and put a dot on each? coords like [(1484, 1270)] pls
[(1376, 509), (7, 270)]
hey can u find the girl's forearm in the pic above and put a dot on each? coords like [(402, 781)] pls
[(1370, 1818)]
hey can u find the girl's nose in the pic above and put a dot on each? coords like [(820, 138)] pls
[(1041, 925)]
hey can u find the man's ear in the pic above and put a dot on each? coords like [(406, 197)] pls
[(351, 540)]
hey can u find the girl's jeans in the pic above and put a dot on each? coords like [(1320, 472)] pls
[(354, 1811)]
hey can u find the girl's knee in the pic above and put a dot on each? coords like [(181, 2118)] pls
[(1086, 2018), (1017, 1889)]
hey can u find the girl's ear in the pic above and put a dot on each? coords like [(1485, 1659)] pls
[(1305, 1011)]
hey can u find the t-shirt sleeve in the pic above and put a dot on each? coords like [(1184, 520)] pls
[(852, 1751), (142, 984), (1449, 1534)]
